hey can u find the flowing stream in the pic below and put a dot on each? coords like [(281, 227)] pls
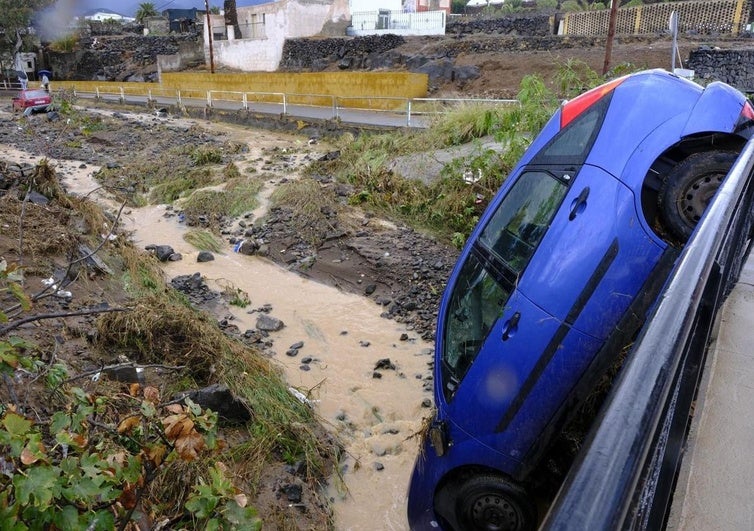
[(342, 333)]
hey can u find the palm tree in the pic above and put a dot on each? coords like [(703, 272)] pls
[(146, 9)]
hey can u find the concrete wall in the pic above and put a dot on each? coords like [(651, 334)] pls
[(343, 84), (385, 84), (262, 50)]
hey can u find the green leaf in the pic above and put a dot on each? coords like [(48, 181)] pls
[(9, 514), (21, 297), (132, 471), (40, 482), (242, 517), (202, 506), (148, 410), (60, 421), (101, 521), (16, 425), (67, 518), (83, 490)]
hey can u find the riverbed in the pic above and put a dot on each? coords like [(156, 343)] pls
[(363, 374)]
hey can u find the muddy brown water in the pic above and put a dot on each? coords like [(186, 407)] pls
[(342, 333)]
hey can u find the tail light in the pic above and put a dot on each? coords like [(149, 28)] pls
[(747, 113), (579, 104)]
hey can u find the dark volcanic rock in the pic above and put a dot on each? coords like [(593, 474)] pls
[(219, 398)]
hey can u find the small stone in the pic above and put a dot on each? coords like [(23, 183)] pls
[(205, 256), (426, 402), (384, 364), (293, 493), (379, 467), (364, 343), (269, 324)]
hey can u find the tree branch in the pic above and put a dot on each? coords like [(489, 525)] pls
[(32, 318)]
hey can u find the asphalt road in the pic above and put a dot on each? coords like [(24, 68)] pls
[(345, 115)]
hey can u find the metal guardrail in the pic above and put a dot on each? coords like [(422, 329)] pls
[(408, 107), (625, 474)]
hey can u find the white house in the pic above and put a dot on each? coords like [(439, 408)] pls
[(407, 6), (103, 14), (358, 6), (264, 29)]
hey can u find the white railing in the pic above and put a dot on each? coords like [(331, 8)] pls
[(399, 111), (376, 22)]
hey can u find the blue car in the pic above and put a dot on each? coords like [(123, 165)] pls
[(557, 278)]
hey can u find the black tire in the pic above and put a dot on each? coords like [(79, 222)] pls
[(688, 189), (485, 502)]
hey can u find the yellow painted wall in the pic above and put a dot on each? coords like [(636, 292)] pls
[(354, 87)]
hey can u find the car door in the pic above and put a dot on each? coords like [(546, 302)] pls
[(595, 256)]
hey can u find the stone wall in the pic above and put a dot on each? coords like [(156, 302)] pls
[(360, 53), (531, 26), (381, 51), (128, 58), (735, 67)]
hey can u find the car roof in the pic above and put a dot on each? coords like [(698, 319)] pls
[(33, 92)]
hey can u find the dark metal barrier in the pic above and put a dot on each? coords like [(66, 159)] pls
[(625, 474)]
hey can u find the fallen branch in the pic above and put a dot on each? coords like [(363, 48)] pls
[(32, 318), (120, 366)]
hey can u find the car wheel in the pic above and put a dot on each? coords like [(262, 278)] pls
[(485, 502), (688, 189)]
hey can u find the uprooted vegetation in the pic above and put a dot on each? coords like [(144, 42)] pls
[(82, 449), (449, 205)]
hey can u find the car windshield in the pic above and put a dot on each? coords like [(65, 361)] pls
[(489, 274)]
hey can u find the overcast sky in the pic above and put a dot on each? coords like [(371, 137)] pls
[(129, 7)]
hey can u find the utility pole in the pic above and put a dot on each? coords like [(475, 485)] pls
[(610, 35), (209, 36)]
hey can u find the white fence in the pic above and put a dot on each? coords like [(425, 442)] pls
[(397, 22), (370, 110)]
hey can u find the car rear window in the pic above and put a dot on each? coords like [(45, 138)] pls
[(34, 94), (573, 143)]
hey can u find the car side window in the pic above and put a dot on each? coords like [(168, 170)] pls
[(476, 304), (521, 220), (488, 276)]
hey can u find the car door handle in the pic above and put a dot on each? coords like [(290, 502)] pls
[(510, 326), (579, 204)]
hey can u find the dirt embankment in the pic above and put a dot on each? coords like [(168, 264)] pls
[(502, 62)]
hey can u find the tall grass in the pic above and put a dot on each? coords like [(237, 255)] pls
[(237, 197), (451, 205)]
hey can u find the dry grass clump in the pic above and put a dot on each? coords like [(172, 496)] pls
[(204, 240), (315, 208), (237, 197), (168, 333), (160, 331)]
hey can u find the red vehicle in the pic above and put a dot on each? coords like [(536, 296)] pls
[(34, 99)]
